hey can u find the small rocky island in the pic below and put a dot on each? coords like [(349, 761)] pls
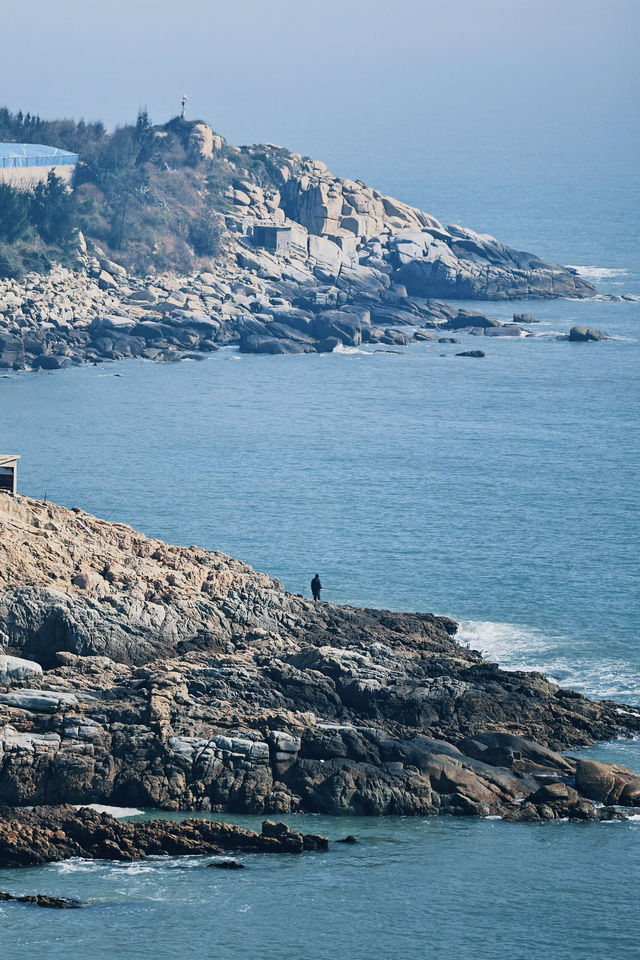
[(278, 255), (142, 674)]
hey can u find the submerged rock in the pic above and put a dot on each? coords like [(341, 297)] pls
[(43, 900)]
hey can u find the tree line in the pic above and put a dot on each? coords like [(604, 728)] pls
[(48, 211), (139, 193)]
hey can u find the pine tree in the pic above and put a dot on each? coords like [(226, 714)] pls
[(53, 210), (14, 214)]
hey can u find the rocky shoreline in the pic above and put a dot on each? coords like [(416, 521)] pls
[(141, 674), (348, 266), (48, 834)]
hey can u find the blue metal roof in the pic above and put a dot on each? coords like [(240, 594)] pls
[(34, 155)]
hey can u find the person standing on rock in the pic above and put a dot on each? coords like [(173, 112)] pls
[(316, 587)]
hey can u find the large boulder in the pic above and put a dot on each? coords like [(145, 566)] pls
[(586, 334), (16, 668), (608, 783), (11, 351), (509, 750), (347, 326), (466, 318), (201, 143), (266, 344)]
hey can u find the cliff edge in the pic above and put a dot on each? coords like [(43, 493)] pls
[(135, 672)]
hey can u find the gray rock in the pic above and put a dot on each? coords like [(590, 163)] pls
[(466, 318), (106, 281), (50, 361), (425, 335), (585, 334), (15, 668), (265, 344), (44, 701)]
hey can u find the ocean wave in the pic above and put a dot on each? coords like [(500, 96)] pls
[(73, 865), (598, 273), (341, 348), (118, 812), (515, 646), (520, 647)]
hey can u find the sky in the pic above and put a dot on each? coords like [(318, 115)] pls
[(373, 87), (255, 68)]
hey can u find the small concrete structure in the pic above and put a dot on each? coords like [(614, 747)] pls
[(279, 238), (8, 473)]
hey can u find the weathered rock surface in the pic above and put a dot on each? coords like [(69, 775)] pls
[(175, 677), (607, 783), (15, 668), (48, 834)]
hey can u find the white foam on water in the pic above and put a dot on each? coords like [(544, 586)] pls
[(117, 812), (597, 273), (513, 645), (519, 647), (603, 678), (341, 348), (74, 865)]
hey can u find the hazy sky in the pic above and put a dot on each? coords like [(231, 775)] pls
[(341, 79), (252, 67)]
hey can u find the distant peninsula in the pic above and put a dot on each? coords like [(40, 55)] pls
[(173, 241)]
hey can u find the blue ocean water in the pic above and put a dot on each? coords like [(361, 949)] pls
[(501, 491)]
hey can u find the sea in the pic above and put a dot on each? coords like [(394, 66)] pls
[(500, 491)]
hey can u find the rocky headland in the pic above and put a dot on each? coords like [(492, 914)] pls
[(142, 674), (305, 261)]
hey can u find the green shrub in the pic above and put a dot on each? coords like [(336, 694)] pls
[(11, 265), (204, 235)]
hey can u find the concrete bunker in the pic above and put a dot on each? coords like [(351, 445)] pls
[(280, 238), (8, 473)]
